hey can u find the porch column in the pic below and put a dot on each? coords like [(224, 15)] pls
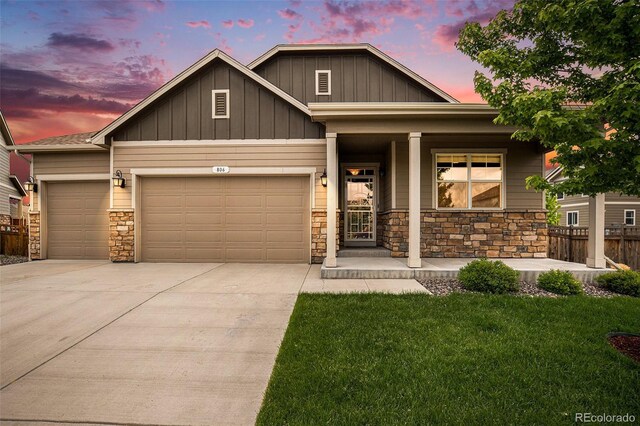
[(332, 199), (595, 244), (414, 200)]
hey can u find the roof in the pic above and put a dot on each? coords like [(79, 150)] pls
[(362, 46), (553, 173), (4, 129), (98, 138), (73, 139), (18, 185)]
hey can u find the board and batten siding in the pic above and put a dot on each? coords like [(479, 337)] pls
[(184, 113), (521, 160), (62, 163), (126, 158), (355, 77)]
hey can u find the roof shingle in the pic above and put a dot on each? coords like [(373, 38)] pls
[(74, 139)]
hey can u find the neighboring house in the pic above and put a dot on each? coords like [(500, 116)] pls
[(278, 160), (11, 190), (574, 209)]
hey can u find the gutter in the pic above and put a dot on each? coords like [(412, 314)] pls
[(54, 148)]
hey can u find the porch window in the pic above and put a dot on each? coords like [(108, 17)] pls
[(469, 181)]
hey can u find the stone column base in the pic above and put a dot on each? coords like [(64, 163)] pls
[(319, 234), (121, 235), (34, 236)]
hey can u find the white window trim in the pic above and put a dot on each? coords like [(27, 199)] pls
[(469, 153), (328, 93), (577, 217), (625, 217), (559, 198), (213, 103)]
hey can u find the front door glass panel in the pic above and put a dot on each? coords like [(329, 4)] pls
[(360, 200)]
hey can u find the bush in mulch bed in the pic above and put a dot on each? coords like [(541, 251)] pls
[(559, 282), (628, 344), (489, 277), (622, 282)]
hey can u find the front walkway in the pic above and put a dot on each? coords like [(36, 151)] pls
[(315, 284), (396, 268)]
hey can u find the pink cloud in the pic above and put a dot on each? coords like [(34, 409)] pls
[(245, 23), (447, 34), (260, 37), (227, 24), (289, 14), (196, 24)]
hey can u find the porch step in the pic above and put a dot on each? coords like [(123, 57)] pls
[(364, 252)]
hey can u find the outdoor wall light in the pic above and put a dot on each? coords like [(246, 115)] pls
[(31, 185), (118, 180), (323, 178)]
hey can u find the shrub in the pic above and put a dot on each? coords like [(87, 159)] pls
[(559, 282), (489, 277), (623, 282)]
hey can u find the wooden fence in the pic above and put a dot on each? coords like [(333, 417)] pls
[(14, 239), (621, 244)]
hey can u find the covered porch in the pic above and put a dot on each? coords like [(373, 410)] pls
[(385, 190)]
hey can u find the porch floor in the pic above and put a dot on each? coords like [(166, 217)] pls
[(388, 268)]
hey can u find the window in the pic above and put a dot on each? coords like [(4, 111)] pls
[(572, 218), (560, 196), (220, 103), (630, 217), (469, 181), (323, 82)]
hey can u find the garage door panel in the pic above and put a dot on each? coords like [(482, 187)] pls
[(166, 200), (77, 220), (227, 219)]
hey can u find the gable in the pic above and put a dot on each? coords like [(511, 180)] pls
[(185, 111), (356, 76)]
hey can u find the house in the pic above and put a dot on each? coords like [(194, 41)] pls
[(574, 209), (11, 190), (306, 150)]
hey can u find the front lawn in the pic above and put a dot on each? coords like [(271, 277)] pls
[(464, 358)]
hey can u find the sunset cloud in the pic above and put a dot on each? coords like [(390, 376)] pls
[(289, 14), (245, 23), (228, 23), (79, 41), (197, 24)]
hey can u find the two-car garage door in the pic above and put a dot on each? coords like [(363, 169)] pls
[(225, 219)]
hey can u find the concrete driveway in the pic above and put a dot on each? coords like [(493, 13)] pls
[(141, 343)]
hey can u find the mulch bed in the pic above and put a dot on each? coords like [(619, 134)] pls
[(628, 345), (445, 286), (12, 260)]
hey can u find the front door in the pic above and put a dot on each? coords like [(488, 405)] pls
[(360, 203)]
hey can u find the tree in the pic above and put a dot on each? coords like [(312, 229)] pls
[(560, 71), (553, 208)]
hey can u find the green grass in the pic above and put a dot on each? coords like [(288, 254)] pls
[(461, 359)]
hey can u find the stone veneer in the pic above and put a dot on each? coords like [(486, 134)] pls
[(121, 235), (472, 234), (34, 235), (319, 234), (5, 220)]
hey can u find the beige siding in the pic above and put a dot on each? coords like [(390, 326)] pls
[(522, 160), (387, 181), (355, 77), (68, 163), (303, 155), (185, 112), (614, 213), (583, 214)]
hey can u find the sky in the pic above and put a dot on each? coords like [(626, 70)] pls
[(74, 66)]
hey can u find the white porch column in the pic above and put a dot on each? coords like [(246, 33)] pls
[(595, 244), (414, 200), (332, 199)]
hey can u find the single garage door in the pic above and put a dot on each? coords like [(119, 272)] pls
[(77, 220), (225, 219)]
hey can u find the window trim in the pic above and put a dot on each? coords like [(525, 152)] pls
[(328, 93), (577, 212), (213, 103), (558, 197), (469, 181), (624, 217)]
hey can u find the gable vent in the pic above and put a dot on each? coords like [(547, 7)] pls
[(220, 107), (323, 82)]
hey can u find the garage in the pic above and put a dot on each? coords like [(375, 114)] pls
[(225, 219), (77, 220)]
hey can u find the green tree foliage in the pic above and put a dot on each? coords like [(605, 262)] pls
[(553, 208), (558, 71)]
